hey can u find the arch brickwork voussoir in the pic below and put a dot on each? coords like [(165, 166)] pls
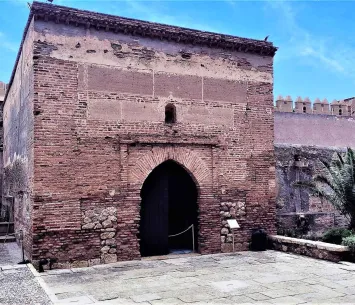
[(151, 158), (197, 162)]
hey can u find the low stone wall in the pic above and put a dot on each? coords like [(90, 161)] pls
[(316, 249)]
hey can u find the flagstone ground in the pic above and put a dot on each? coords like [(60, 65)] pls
[(242, 278), (246, 277), (17, 283)]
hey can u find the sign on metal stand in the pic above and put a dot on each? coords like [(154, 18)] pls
[(233, 224)]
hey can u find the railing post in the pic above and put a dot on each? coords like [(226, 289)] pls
[(193, 239), (22, 248), (193, 235), (233, 239)]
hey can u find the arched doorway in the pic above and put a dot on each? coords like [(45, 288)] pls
[(169, 206)]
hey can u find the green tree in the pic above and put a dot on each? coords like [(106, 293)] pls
[(336, 183)]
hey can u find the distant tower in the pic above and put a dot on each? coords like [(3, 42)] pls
[(284, 105), (321, 107), (303, 106), (351, 102), (341, 108)]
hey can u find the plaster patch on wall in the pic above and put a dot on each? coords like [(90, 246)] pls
[(133, 111), (120, 80), (197, 114), (202, 65), (105, 110)]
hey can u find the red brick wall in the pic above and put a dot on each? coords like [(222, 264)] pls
[(99, 131)]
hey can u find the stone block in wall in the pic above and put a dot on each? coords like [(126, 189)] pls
[(230, 210), (117, 80), (108, 258), (215, 89), (104, 110), (79, 264), (94, 262), (140, 111), (99, 218), (200, 114), (178, 85), (103, 219)]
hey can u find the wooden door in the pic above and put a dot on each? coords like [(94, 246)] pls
[(154, 214)]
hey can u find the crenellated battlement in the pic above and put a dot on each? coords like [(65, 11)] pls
[(300, 105)]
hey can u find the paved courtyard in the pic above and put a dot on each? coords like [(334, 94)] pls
[(243, 278), (17, 283)]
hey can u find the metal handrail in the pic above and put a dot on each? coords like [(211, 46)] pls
[(193, 236)]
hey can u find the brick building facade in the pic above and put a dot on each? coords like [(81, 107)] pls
[(96, 103)]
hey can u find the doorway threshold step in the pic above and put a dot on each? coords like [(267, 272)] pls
[(171, 255), (7, 239)]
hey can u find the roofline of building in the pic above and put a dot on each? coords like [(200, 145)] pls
[(76, 17), (67, 15)]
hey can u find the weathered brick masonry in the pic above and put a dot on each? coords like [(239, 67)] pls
[(2, 97), (301, 140), (18, 140), (98, 91)]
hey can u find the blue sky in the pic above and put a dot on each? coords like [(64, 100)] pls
[(316, 56)]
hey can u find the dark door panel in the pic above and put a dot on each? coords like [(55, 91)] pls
[(169, 206), (154, 211)]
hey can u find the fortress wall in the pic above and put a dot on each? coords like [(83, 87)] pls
[(314, 130), (300, 141)]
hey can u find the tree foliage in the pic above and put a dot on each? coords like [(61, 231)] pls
[(336, 235), (336, 183), (350, 242)]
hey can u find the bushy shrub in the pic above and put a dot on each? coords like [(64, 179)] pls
[(350, 242), (336, 235), (313, 236), (335, 182)]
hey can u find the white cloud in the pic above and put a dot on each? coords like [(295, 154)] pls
[(332, 63), (6, 44), (323, 51)]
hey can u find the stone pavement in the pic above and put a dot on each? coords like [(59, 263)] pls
[(17, 283), (243, 278), (10, 254)]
